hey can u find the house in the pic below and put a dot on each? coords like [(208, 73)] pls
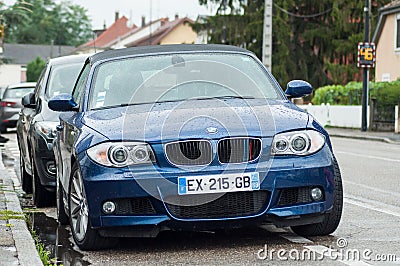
[(138, 33), (15, 58), (387, 41), (107, 37), (121, 35), (177, 31)]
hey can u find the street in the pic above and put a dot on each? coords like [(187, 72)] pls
[(368, 234)]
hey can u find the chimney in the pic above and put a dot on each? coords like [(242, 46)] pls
[(116, 16), (164, 21), (176, 16), (143, 21)]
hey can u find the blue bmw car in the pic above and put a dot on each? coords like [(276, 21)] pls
[(189, 137)]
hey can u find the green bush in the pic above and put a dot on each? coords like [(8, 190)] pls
[(34, 68), (387, 93)]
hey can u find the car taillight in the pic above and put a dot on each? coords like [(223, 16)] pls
[(7, 104)]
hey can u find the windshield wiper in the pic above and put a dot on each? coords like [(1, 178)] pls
[(223, 97)]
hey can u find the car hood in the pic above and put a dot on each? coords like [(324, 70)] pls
[(214, 119)]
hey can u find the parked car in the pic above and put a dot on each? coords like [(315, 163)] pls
[(37, 125), (189, 137), (10, 104)]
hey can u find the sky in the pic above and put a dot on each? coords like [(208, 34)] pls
[(104, 11)]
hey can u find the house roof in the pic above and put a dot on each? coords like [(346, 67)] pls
[(135, 30), (22, 54), (159, 34), (115, 31), (170, 48), (392, 7)]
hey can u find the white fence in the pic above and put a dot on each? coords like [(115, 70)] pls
[(336, 115)]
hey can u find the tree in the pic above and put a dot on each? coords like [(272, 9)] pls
[(34, 68), (62, 24), (312, 40)]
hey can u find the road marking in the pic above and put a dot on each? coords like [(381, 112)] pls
[(369, 156), (373, 205), (374, 189), (329, 253), (287, 234), (297, 239)]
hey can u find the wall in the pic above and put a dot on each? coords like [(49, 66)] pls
[(336, 115), (137, 34), (10, 74), (183, 33), (387, 59)]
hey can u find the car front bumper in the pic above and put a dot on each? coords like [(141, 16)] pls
[(281, 176)]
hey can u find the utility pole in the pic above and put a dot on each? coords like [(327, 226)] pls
[(224, 23), (267, 35), (365, 71)]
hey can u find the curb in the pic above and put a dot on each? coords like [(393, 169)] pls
[(371, 138), (23, 241)]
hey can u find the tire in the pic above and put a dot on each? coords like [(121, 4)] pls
[(85, 237), (62, 217), (332, 219), (40, 195), (3, 129), (26, 179)]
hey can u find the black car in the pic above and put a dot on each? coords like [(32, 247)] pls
[(36, 127)]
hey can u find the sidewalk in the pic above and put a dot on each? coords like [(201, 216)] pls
[(387, 137), (17, 246)]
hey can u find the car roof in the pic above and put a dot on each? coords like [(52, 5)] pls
[(22, 85), (68, 59), (171, 48)]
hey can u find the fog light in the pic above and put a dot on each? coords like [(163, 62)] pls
[(316, 194), (108, 207)]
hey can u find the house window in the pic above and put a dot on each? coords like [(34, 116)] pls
[(397, 44)]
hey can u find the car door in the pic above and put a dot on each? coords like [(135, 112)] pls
[(70, 128), (27, 115)]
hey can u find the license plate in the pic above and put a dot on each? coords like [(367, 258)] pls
[(218, 183)]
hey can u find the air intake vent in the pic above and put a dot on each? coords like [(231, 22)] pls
[(298, 195), (193, 152), (234, 204), (239, 150)]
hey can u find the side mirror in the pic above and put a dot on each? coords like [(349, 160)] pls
[(28, 100), (298, 89), (62, 103)]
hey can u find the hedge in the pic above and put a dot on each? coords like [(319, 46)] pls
[(387, 93)]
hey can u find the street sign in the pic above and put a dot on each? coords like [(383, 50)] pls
[(366, 55)]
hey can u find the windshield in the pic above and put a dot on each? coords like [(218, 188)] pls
[(62, 79), (180, 77)]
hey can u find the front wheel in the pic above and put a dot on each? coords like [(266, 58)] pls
[(85, 237), (332, 219), (26, 179), (40, 195)]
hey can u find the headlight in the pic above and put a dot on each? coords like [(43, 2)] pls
[(47, 129), (121, 154), (303, 142)]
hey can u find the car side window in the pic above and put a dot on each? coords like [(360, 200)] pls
[(39, 86), (81, 84)]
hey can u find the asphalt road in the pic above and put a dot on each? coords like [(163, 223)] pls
[(369, 232)]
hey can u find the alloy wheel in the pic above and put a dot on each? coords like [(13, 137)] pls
[(78, 207)]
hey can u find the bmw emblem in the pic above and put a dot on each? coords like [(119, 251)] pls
[(212, 130)]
